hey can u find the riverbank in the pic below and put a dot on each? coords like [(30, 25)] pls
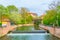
[(5, 30), (54, 31)]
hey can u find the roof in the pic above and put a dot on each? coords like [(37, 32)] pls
[(42, 16), (5, 19), (32, 13)]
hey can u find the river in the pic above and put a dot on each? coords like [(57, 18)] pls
[(29, 36)]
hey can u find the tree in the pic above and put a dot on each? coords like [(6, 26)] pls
[(50, 17), (58, 15), (2, 9), (12, 8), (26, 17), (3, 12), (15, 18)]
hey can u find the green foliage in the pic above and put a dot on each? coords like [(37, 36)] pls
[(12, 13), (0, 24), (2, 10), (26, 17), (50, 17), (12, 8), (16, 18), (36, 24)]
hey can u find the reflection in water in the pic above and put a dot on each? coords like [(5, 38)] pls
[(29, 37)]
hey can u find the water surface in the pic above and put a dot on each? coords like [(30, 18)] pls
[(29, 36)]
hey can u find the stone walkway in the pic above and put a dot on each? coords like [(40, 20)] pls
[(53, 31)]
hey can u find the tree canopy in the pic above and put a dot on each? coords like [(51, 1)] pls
[(16, 15)]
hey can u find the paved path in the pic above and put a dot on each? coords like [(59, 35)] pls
[(53, 31)]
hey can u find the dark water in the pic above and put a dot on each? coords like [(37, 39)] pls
[(31, 36)]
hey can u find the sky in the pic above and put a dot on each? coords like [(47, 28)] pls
[(35, 6)]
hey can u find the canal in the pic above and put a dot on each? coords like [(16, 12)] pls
[(29, 36), (28, 33)]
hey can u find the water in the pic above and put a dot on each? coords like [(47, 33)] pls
[(29, 36), (25, 28)]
